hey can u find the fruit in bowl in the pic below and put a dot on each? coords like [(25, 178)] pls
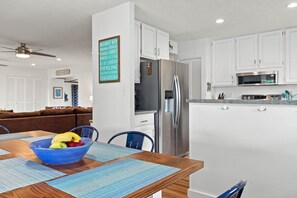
[(67, 139), (55, 150)]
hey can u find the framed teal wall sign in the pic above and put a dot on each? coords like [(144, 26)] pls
[(109, 60)]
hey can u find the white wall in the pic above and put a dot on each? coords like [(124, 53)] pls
[(113, 106), (196, 49), (85, 90), (236, 92), (23, 72)]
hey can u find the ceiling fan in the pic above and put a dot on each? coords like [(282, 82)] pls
[(24, 52)]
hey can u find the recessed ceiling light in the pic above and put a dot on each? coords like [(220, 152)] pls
[(59, 59), (33, 64), (292, 5), (220, 21)]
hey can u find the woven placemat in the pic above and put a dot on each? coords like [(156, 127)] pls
[(114, 180), (33, 139), (12, 136), (103, 152), (19, 172)]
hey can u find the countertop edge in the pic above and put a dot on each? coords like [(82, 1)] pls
[(226, 101)]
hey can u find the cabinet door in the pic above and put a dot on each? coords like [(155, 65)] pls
[(137, 52), (246, 52), (148, 41), (270, 49), (291, 55), (162, 45), (223, 62)]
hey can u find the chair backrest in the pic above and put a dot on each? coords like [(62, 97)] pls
[(235, 191), (2, 128), (134, 139), (87, 131)]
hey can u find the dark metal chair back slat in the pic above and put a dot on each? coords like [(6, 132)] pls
[(134, 139), (87, 131)]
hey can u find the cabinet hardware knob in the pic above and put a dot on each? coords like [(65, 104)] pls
[(225, 107), (261, 109), (142, 121)]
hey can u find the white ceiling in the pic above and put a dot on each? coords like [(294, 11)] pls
[(63, 27)]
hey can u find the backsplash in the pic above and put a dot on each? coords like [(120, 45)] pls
[(236, 92)]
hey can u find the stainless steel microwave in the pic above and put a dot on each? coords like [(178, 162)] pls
[(257, 78)]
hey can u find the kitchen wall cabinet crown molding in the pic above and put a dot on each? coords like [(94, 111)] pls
[(154, 43), (291, 55), (223, 62)]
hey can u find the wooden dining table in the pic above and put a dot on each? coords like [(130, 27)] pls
[(20, 148)]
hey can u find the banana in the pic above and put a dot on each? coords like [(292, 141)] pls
[(75, 137), (63, 137)]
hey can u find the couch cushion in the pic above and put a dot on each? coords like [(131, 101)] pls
[(20, 114), (56, 112), (83, 110), (5, 111)]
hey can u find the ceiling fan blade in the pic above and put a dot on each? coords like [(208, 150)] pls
[(7, 51), (2, 65), (42, 54), (7, 48)]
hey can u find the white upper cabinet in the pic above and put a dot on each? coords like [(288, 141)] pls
[(154, 43), (291, 55), (137, 52), (223, 62), (246, 52), (259, 51), (148, 41), (271, 49), (162, 44)]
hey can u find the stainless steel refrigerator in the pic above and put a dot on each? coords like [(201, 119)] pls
[(164, 87)]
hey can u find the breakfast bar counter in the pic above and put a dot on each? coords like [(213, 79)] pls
[(76, 179)]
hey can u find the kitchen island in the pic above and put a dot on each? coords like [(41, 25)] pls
[(255, 140)]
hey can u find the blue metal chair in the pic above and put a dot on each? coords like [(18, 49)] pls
[(2, 128), (87, 131), (235, 191), (134, 139)]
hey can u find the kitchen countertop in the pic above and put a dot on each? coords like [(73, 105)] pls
[(238, 101), (145, 112)]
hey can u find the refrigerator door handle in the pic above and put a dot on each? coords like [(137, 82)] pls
[(175, 109), (178, 101)]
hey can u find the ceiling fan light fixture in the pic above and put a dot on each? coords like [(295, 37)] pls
[(22, 55)]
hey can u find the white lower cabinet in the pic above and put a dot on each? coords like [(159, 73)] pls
[(145, 123)]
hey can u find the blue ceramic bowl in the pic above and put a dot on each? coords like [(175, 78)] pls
[(60, 156)]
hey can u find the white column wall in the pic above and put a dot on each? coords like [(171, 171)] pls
[(113, 106)]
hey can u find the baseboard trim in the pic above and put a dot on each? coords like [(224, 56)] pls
[(196, 194)]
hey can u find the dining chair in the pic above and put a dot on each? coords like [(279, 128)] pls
[(2, 128), (134, 139), (235, 191), (87, 131)]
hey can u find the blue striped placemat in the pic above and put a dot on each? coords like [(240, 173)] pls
[(19, 172), (103, 152), (33, 139), (114, 180), (3, 152), (12, 136)]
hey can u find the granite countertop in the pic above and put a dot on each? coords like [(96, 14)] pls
[(139, 112), (238, 101)]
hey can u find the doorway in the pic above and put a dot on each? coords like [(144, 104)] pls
[(194, 77)]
